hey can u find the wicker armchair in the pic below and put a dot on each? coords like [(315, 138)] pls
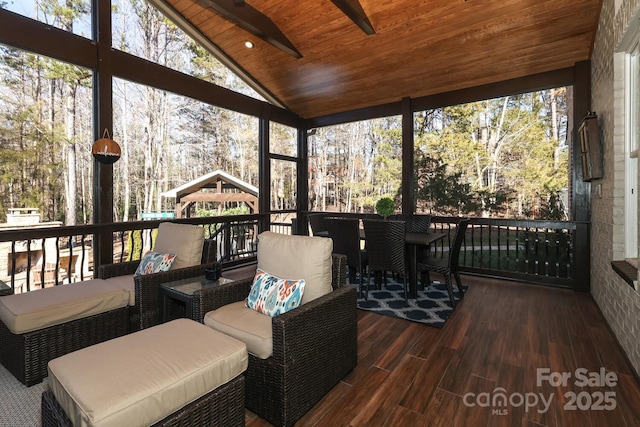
[(146, 311), (314, 347)]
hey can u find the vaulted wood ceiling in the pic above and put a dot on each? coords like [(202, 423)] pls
[(419, 48)]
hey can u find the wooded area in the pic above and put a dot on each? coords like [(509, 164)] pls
[(503, 157)]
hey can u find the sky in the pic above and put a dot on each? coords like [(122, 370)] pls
[(28, 8)]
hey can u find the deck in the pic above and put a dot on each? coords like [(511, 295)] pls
[(415, 375)]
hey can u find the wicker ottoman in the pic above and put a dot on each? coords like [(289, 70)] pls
[(41, 325), (176, 373)]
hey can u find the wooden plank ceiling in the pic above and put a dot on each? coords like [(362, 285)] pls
[(419, 48)]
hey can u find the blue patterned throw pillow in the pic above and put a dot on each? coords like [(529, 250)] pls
[(153, 262), (272, 295)]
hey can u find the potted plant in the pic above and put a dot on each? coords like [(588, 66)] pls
[(385, 207)]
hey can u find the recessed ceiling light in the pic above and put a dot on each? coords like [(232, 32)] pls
[(248, 44)]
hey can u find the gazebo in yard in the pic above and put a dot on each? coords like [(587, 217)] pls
[(217, 186)]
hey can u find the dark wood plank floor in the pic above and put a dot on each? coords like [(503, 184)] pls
[(496, 340)]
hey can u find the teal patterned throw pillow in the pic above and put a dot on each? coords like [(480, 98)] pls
[(154, 262), (272, 295)]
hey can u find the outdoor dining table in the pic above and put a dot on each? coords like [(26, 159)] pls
[(413, 241)]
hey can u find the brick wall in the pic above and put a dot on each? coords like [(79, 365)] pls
[(619, 303)]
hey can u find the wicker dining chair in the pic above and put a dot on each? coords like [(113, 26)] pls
[(345, 233), (446, 266), (316, 221), (415, 223), (386, 249)]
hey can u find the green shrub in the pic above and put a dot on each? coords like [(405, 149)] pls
[(385, 207)]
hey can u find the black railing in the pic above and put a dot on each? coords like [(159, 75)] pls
[(47, 256), (542, 252), (235, 239)]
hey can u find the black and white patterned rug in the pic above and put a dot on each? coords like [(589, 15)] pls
[(432, 307)]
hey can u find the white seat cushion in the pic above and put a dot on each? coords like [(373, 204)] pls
[(127, 283), (298, 257), (140, 378), (245, 324), (39, 309), (184, 240)]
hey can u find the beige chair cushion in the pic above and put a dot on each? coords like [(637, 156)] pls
[(140, 378), (244, 324), (127, 283), (184, 240), (298, 257), (240, 273), (36, 310)]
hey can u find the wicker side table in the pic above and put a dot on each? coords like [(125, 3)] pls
[(180, 298), (5, 289)]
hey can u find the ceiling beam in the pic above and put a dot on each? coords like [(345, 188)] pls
[(253, 21), (214, 50), (28, 34), (354, 11)]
